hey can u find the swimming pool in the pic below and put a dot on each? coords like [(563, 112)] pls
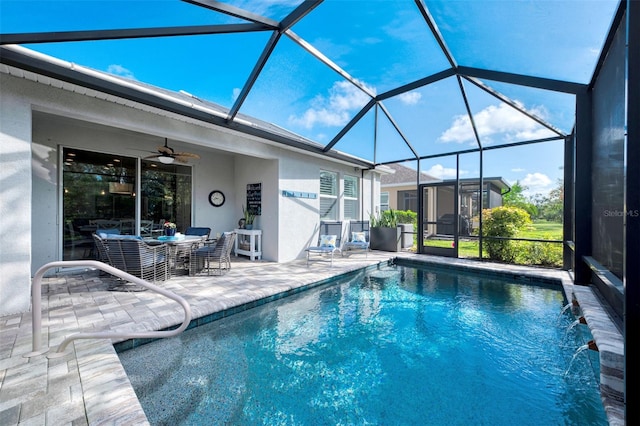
[(392, 346)]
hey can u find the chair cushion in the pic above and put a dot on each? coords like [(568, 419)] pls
[(358, 237), (328, 240), (104, 233), (123, 237)]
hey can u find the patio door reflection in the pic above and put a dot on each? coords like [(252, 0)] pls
[(165, 196), (98, 193)]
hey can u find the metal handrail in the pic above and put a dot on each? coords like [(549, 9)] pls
[(36, 295)]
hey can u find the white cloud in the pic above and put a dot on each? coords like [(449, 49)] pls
[(235, 93), (334, 110), (410, 98), (536, 183), (497, 120), (441, 172), (121, 71)]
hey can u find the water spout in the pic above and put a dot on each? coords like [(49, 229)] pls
[(580, 320), (573, 304), (590, 345)]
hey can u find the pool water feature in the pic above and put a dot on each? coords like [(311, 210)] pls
[(392, 346)]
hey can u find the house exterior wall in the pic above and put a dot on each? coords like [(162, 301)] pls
[(15, 202), (38, 119), (393, 193)]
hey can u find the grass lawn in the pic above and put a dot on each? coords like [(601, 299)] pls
[(539, 230), (543, 230)]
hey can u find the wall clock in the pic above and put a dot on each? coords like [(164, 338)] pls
[(216, 198)]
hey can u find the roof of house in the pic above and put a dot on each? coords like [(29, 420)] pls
[(405, 176)]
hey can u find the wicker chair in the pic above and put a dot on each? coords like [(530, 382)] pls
[(216, 257), (134, 256), (101, 250)]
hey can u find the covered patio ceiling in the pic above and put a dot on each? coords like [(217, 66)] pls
[(374, 82)]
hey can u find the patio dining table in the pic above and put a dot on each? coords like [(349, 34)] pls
[(180, 248)]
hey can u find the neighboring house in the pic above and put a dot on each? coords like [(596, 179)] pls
[(398, 191), (74, 158), (398, 188)]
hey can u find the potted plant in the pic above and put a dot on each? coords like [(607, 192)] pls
[(249, 217), (169, 229), (384, 233)]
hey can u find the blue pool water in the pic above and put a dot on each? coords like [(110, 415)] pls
[(394, 346)]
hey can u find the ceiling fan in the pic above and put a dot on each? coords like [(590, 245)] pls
[(167, 155)]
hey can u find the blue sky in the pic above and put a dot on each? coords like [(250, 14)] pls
[(382, 44)]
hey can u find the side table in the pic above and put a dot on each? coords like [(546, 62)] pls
[(249, 243)]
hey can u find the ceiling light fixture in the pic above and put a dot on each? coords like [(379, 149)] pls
[(165, 159)]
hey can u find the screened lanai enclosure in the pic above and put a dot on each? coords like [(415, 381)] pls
[(538, 92)]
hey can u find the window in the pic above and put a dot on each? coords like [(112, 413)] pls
[(408, 200), (328, 195), (384, 201), (350, 197)]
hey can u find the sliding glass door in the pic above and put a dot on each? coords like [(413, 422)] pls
[(99, 193), (166, 194)]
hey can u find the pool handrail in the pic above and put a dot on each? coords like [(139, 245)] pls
[(36, 296)]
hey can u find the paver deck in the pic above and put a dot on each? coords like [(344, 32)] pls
[(88, 385)]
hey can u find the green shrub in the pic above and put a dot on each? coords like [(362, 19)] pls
[(407, 216), (538, 253), (505, 222)]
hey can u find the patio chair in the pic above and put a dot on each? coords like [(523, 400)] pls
[(358, 237), (183, 253), (132, 255), (215, 256), (329, 238), (146, 228), (197, 230), (101, 249)]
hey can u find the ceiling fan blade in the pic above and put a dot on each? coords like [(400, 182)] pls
[(180, 159), (148, 157), (188, 155), (165, 150)]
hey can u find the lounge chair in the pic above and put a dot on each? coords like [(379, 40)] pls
[(216, 256), (329, 238), (358, 237)]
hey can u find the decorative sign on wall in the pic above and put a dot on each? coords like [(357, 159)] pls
[(297, 194), (254, 198)]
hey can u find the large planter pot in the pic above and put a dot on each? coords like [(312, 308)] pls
[(385, 239)]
